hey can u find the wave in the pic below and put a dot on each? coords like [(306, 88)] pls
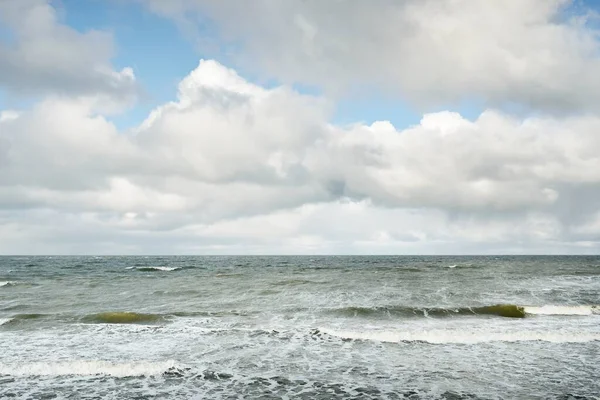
[(501, 310), (151, 269), (122, 318), (7, 283), (19, 318), (89, 367), (442, 336)]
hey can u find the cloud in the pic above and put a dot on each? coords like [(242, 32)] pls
[(231, 166), (538, 54), (39, 55), (495, 163)]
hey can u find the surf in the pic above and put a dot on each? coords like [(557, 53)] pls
[(87, 368), (563, 310)]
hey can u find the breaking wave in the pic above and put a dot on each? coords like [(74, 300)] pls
[(563, 310), (87, 368), (442, 336), (500, 310)]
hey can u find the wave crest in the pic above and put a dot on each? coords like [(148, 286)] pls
[(122, 318), (501, 310)]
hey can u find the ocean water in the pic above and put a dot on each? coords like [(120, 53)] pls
[(300, 327)]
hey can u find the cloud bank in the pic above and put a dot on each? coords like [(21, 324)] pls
[(540, 54)]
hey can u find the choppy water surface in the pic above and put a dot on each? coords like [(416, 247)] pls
[(300, 327)]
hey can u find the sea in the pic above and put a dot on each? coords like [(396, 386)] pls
[(330, 327)]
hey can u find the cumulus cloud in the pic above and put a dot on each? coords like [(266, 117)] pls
[(540, 54), (39, 55), (231, 166)]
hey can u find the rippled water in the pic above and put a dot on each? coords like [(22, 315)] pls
[(300, 327)]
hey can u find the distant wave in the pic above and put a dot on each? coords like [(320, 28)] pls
[(5, 321), (88, 367), (7, 283), (500, 310), (459, 337), (122, 318), (150, 269)]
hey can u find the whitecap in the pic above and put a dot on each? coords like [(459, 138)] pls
[(166, 268), (86, 368), (562, 310)]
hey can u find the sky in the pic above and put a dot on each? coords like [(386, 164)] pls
[(299, 127)]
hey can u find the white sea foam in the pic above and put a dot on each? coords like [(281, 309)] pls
[(4, 321), (6, 283), (563, 310), (441, 336), (451, 266), (90, 367), (165, 268)]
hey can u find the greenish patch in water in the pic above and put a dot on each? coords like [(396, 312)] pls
[(502, 310), (122, 318)]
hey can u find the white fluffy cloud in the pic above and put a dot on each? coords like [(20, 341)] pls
[(541, 54), (231, 166), (41, 55)]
